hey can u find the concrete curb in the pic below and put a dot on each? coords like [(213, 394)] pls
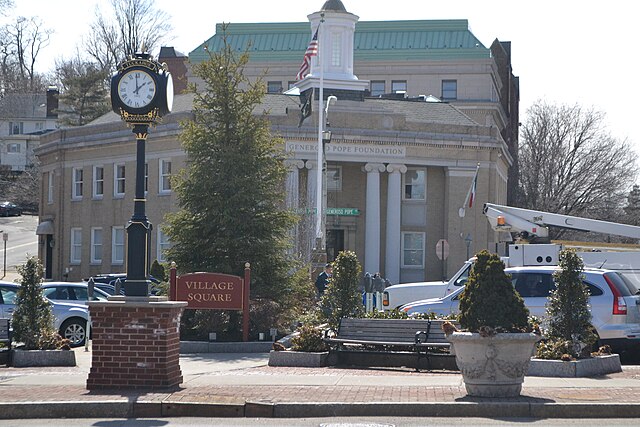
[(485, 409)]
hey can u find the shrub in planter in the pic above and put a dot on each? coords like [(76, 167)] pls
[(569, 332), (489, 300), (309, 340), (33, 317), (342, 297), (494, 355)]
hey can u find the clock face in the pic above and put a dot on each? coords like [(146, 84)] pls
[(136, 89)]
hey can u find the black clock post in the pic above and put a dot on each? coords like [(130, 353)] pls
[(141, 93), (136, 337)]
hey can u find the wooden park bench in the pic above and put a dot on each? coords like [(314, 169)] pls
[(5, 337), (388, 336)]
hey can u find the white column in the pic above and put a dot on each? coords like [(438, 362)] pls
[(311, 165), (293, 199), (372, 218), (394, 212), (293, 183)]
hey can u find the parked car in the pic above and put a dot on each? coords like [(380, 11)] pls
[(107, 282), (10, 209), (66, 291), (614, 301), (70, 319)]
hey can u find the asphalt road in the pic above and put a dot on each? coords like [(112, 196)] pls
[(22, 242), (319, 422)]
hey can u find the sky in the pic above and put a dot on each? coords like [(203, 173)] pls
[(564, 51)]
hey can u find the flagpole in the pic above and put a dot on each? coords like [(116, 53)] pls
[(320, 166)]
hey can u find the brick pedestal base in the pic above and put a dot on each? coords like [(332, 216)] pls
[(136, 343)]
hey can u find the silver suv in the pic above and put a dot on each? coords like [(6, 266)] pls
[(614, 301), (70, 318)]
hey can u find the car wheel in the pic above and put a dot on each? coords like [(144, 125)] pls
[(75, 330)]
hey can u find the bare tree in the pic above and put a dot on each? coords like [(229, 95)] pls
[(130, 26), (27, 37), (5, 6), (21, 42), (570, 164)]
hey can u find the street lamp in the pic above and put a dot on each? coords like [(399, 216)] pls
[(467, 241)]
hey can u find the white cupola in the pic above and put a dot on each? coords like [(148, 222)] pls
[(335, 50)]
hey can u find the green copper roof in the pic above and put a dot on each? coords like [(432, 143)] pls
[(374, 40)]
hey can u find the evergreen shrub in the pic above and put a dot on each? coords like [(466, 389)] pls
[(568, 320), (342, 297), (489, 302), (33, 316)]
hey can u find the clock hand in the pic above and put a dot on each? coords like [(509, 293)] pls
[(138, 88)]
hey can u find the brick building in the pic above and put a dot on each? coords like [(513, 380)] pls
[(420, 105)]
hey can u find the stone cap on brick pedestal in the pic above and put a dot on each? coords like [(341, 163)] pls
[(151, 302)]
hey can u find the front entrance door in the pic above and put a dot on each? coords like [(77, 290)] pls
[(335, 243), (48, 256)]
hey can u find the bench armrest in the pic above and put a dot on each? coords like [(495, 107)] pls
[(420, 334), (330, 333)]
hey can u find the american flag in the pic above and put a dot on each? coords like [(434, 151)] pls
[(471, 195), (312, 50)]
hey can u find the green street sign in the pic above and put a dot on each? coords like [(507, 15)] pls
[(330, 211), (343, 211)]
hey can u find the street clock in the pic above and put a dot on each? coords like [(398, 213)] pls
[(141, 90)]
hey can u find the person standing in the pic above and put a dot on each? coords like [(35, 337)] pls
[(323, 279)]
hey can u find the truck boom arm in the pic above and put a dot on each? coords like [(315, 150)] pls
[(532, 223)]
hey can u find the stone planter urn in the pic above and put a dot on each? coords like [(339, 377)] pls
[(493, 366), (24, 358)]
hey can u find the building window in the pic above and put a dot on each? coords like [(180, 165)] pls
[(449, 89), (76, 246), (96, 245), (334, 178), (163, 245), (274, 87), (377, 87), (399, 86), (13, 148), (16, 128), (117, 245), (118, 180), (336, 50), (413, 250), (39, 125), (50, 187), (98, 182), (414, 184), (76, 189), (164, 180)]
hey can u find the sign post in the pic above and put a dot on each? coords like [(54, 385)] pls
[(213, 291), (442, 252), (5, 237)]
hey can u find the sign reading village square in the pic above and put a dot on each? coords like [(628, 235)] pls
[(213, 291)]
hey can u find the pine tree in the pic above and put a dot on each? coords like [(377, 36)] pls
[(632, 209), (231, 193), (84, 94), (342, 297), (568, 315), (33, 317), (489, 300)]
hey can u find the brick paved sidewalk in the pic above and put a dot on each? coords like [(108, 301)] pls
[(311, 393)]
